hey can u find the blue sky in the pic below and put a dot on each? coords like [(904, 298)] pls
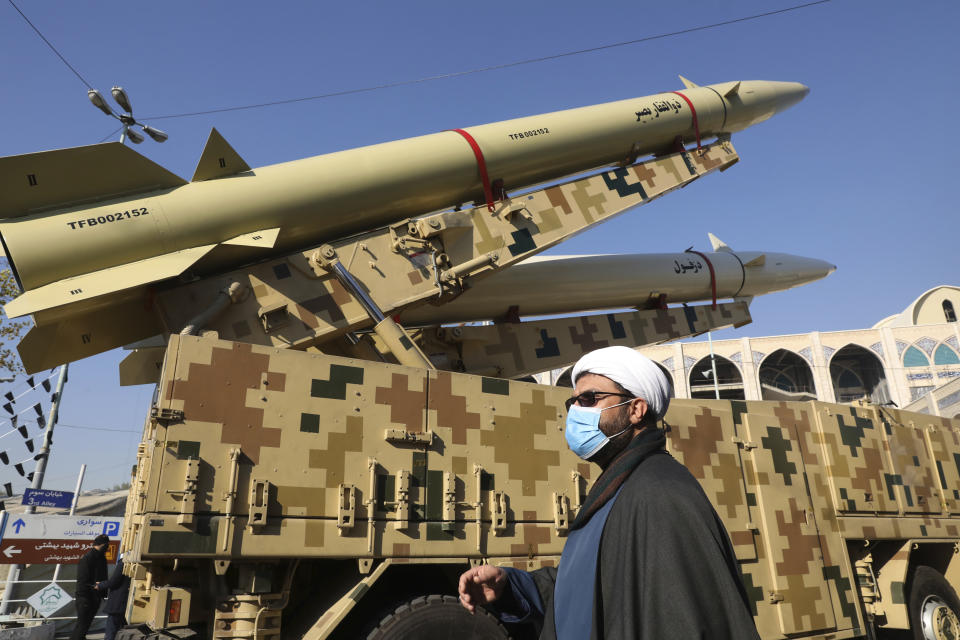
[(859, 173)]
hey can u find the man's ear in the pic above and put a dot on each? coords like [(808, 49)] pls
[(638, 409)]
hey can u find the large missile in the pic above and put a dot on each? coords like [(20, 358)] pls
[(90, 221), (553, 285)]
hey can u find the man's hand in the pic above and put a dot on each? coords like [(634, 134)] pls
[(481, 585)]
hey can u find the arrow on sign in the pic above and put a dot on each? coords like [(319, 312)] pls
[(19, 524), (11, 551)]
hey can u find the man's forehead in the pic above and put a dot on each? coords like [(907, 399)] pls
[(594, 382)]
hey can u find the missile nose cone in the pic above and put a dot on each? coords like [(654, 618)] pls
[(753, 101), (790, 93), (780, 271)]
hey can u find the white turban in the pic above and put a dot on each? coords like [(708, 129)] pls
[(631, 370)]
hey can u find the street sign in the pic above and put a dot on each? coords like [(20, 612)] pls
[(32, 551), (43, 539), (47, 498), (49, 600)]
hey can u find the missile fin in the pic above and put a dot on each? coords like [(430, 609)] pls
[(105, 281), (718, 244), (218, 160), (732, 91), (38, 181), (142, 366), (688, 84), (57, 339), (759, 261), (265, 238)]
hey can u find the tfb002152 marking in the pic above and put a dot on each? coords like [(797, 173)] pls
[(107, 219)]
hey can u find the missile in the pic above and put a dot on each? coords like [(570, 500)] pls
[(78, 224), (554, 285)]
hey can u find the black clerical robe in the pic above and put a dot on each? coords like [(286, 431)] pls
[(665, 567)]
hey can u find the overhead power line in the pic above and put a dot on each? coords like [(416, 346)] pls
[(52, 48), (80, 426), (506, 65), (441, 76)]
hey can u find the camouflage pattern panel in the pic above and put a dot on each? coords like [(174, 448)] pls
[(788, 525), (854, 460), (943, 440), (296, 302), (914, 470), (288, 302), (513, 350), (278, 450), (800, 419)]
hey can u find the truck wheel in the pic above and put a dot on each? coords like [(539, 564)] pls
[(438, 618), (934, 607)]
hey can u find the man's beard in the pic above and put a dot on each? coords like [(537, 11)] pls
[(617, 443)]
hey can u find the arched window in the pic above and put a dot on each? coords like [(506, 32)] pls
[(913, 357), (948, 311), (945, 355), (856, 373), (849, 380)]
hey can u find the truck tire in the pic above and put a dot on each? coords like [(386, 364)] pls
[(934, 607), (438, 617)]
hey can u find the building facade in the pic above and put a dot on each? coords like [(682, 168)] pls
[(899, 360)]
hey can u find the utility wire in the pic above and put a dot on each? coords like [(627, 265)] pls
[(441, 76), (52, 48), (80, 426), (505, 65), (112, 134)]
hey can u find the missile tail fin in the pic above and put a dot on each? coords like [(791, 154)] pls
[(264, 239), (718, 244), (105, 281), (688, 84), (35, 182), (732, 91), (218, 160)]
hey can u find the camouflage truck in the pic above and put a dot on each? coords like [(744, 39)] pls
[(288, 494)]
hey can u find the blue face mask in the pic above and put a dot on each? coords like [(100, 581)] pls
[(583, 430)]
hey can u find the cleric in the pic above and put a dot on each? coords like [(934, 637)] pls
[(647, 556)]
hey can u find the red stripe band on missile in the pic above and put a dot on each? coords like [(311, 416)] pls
[(713, 275), (482, 165), (696, 130)]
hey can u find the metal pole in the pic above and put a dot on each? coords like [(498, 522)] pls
[(713, 366), (73, 508), (44, 454), (14, 576)]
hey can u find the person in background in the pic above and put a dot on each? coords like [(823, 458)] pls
[(91, 570), (117, 589)]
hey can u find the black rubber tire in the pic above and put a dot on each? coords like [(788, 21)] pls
[(438, 617), (133, 632), (934, 606)]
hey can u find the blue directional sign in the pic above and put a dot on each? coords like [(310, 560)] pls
[(47, 498)]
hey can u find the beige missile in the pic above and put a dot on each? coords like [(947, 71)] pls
[(554, 285), (85, 222)]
